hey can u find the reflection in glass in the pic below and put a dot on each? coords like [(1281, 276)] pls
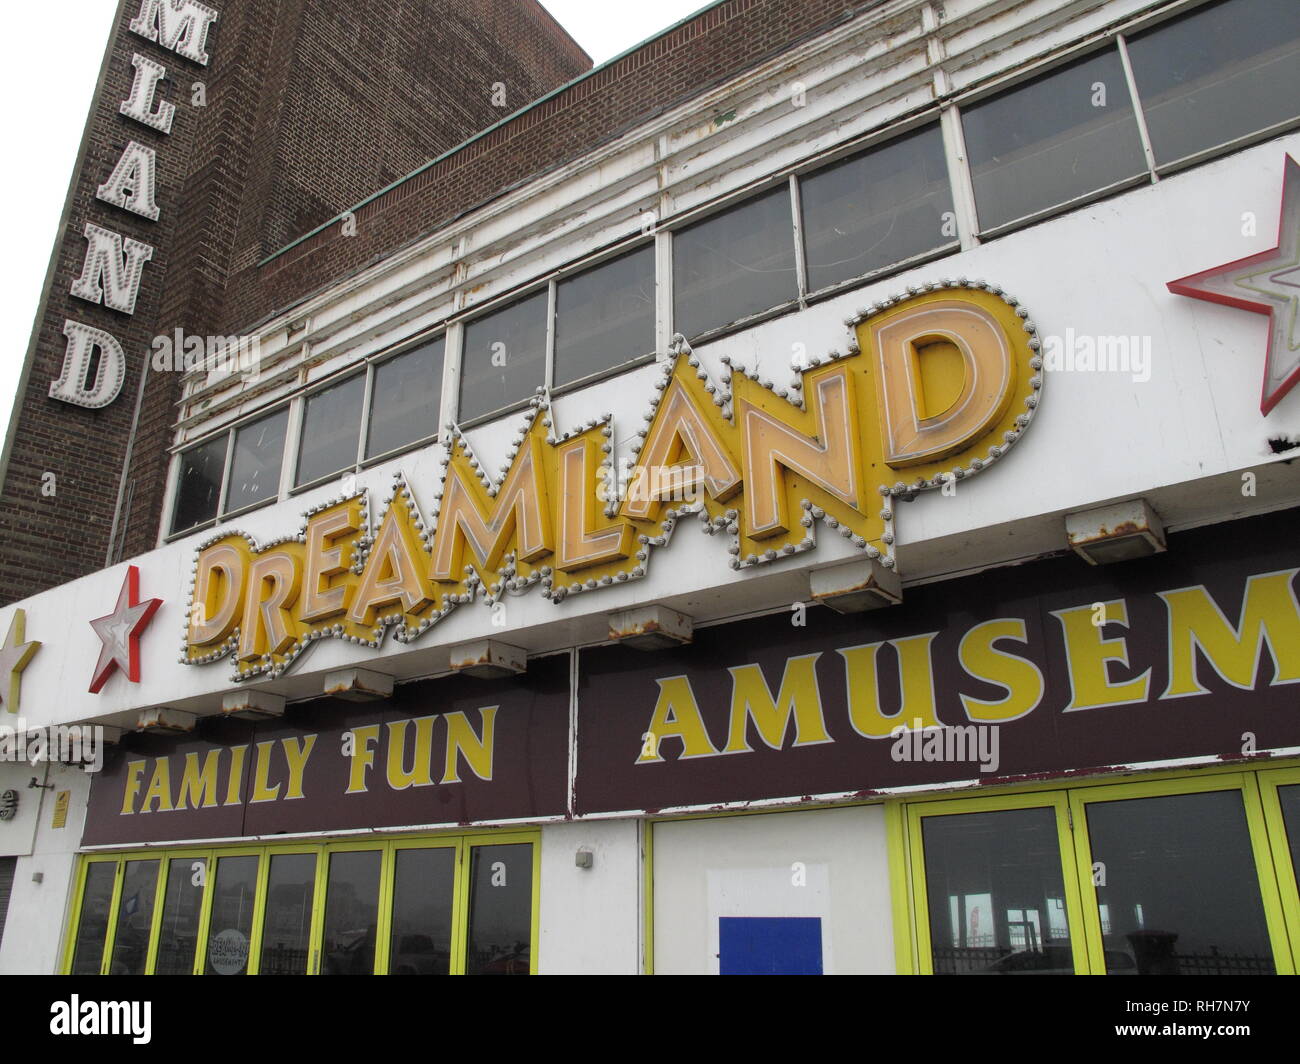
[(605, 316), (286, 924), (331, 425), (1062, 135), (500, 910), (734, 264), (422, 891), (178, 934), (1180, 886), (255, 468), (92, 926), (504, 360), (134, 918), (198, 488), (404, 399), (1218, 73), (877, 208), (996, 894), (231, 923), (351, 913)]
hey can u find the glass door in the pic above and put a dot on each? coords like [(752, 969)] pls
[(997, 887), (1178, 879)]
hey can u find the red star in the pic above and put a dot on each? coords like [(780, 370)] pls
[(120, 632), (1266, 283)]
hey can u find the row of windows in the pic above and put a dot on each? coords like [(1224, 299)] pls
[(1181, 876), (437, 906), (1218, 74)]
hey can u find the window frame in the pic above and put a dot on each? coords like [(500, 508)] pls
[(1071, 797), (388, 846)]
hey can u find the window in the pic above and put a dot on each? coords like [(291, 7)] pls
[(255, 466), (1217, 74), (198, 488), (331, 427), (1149, 878), (404, 399), (605, 316), (734, 264), (503, 361), (884, 206), (438, 905), (1067, 134)]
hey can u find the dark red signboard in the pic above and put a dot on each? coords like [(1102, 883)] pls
[(306, 772), (622, 766)]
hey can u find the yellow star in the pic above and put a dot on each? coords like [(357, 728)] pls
[(14, 656)]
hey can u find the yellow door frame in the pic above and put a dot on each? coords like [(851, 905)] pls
[(1055, 801), (1276, 876)]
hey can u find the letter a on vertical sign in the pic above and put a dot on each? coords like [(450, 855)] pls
[(933, 387)]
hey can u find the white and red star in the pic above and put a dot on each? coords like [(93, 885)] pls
[(120, 632), (1266, 283)]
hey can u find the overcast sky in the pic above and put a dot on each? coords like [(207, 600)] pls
[(49, 59)]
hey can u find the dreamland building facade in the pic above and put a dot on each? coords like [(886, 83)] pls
[(798, 497)]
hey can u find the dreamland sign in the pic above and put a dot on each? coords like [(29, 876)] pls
[(934, 387)]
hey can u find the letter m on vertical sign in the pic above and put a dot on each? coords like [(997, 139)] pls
[(179, 25)]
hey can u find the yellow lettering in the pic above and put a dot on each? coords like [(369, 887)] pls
[(296, 755), (1087, 655), (676, 715), (421, 771), (981, 658), (1269, 615), (799, 697), (863, 684), (363, 758), (199, 788), (462, 742)]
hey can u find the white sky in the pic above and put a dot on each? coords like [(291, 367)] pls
[(49, 60)]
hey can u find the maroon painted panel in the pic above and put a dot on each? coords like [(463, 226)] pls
[(618, 690), (528, 775)]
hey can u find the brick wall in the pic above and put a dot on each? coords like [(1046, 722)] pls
[(310, 105)]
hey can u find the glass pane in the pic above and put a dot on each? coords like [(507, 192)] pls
[(134, 918), (1290, 799), (877, 208), (505, 357), (178, 936), (1176, 886), (734, 264), (198, 487), (255, 468), (92, 926), (605, 316), (996, 894), (286, 925), (1218, 73), (231, 923), (351, 913), (404, 399), (500, 910), (1065, 134), (331, 425), (422, 890)]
